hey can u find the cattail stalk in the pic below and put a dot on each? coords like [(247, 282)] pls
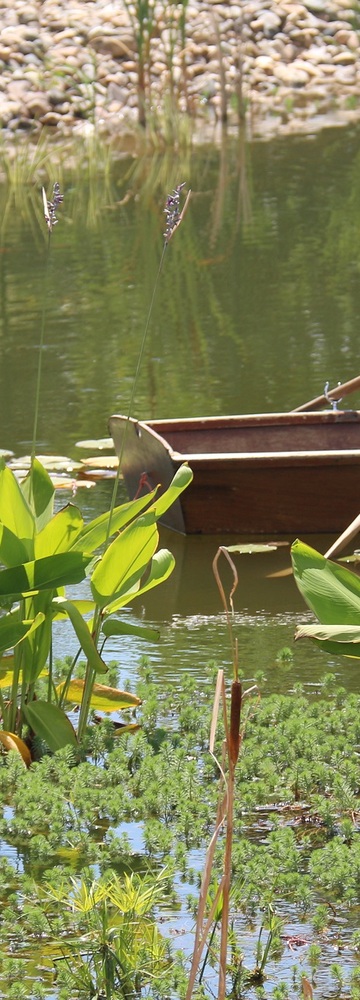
[(235, 714)]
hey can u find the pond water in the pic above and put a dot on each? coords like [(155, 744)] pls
[(257, 306)]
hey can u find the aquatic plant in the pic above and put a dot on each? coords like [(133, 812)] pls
[(123, 949), (332, 592), (43, 553), (208, 907)]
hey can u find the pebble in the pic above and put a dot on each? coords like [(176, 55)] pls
[(60, 61)]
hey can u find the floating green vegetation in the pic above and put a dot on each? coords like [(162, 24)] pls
[(296, 854)]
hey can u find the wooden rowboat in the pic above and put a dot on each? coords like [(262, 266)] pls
[(259, 474)]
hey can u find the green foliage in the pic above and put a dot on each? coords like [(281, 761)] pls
[(296, 808), (124, 949), (332, 592), (42, 554)]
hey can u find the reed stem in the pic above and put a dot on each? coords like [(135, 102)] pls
[(40, 353)]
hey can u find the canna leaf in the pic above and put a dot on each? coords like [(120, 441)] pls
[(116, 627), (85, 638), (94, 534), (13, 551), (343, 640), (39, 493), (83, 606), (158, 570), (12, 632), (50, 723), (48, 573), (125, 561), (182, 478), (332, 592), (59, 534), (15, 513)]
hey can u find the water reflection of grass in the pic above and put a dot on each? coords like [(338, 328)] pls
[(296, 831)]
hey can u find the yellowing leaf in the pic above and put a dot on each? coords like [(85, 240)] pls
[(11, 741), (103, 698)]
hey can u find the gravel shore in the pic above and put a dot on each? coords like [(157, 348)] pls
[(73, 64)]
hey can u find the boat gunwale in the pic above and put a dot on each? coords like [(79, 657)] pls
[(271, 457)]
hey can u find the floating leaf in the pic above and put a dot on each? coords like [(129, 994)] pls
[(11, 741), (109, 462), (96, 443), (106, 699)]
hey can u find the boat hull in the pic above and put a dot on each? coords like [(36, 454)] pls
[(280, 483)]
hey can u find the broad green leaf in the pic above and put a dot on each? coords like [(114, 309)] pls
[(158, 570), (60, 533), (82, 631), (331, 591), (106, 699), (12, 632), (84, 607), (94, 534), (125, 561), (37, 644), (44, 574), (11, 741), (343, 640), (51, 724), (12, 550), (15, 513), (182, 479), (115, 627), (39, 493)]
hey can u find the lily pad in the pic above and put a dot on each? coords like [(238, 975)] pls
[(104, 462), (97, 474), (96, 444), (53, 463)]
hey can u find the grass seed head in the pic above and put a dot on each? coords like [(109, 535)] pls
[(172, 211), (50, 207)]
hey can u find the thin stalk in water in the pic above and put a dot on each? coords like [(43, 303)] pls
[(50, 208), (174, 218)]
